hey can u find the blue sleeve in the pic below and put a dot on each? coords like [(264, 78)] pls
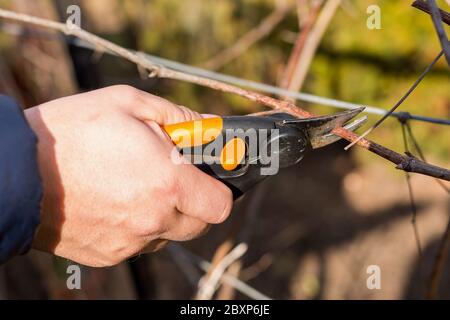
[(20, 184)]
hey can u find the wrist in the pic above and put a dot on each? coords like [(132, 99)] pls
[(42, 239)]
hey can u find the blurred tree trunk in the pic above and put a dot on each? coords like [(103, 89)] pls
[(42, 66), (8, 84), (105, 16)]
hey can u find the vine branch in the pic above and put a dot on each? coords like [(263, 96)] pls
[(403, 162), (423, 6), (207, 289)]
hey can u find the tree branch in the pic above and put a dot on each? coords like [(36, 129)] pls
[(438, 26), (294, 58), (250, 38), (403, 162), (423, 5), (186, 259), (208, 287), (308, 43)]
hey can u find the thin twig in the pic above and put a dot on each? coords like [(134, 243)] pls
[(405, 163), (437, 21), (219, 254), (242, 229), (399, 102), (311, 43), (269, 89), (208, 287), (423, 5), (226, 292), (412, 200), (238, 284), (183, 255), (250, 38), (262, 87), (238, 231), (414, 220), (294, 58), (422, 156)]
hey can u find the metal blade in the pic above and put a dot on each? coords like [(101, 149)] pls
[(324, 140), (319, 126)]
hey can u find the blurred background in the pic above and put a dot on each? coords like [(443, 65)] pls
[(313, 230)]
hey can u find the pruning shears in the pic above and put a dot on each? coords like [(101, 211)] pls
[(241, 151)]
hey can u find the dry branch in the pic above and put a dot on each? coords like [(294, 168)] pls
[(250, 38), (438, 26), (186, 259), (444, 245), (208, 287), (403, 162), (310, 44), (219, 254), (399, 102), (241, 229), (294, 58), (423, 5)]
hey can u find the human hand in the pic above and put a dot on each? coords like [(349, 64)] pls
[(111, 189)]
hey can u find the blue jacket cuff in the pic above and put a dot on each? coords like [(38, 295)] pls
[(20, 183)]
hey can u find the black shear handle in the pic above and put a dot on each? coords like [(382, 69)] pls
[(240, 151)]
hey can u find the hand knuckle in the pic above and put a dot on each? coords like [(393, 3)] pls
[(155, 226), (141, 227), (127, 93)]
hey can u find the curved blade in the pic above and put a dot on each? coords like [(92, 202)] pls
[(319, 128), (324, 140)]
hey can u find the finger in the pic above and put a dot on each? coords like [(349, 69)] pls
[(208, 115), (145, 106), (185, 228), (201, 196)]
